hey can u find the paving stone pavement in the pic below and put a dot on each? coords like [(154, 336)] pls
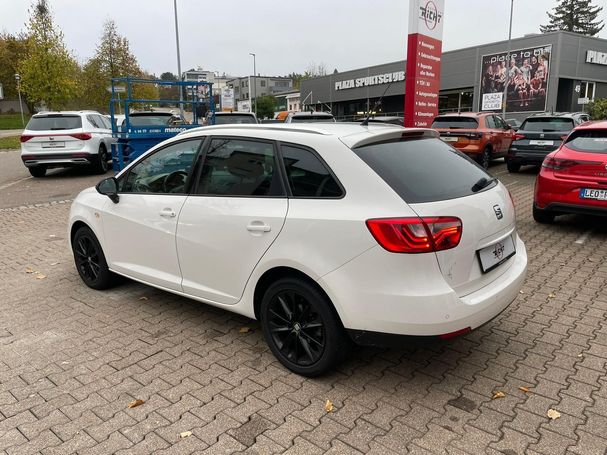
[(72, 359)]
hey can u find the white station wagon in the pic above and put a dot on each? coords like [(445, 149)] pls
[(325, 233)]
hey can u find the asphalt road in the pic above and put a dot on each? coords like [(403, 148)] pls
[(18, 187)]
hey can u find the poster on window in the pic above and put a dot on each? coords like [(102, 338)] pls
[(526, 74)]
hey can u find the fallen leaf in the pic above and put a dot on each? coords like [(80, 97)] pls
[(498, 395), (29, 270), (524, 389), (244, 330), (553, 414), (40, 276), (143, 298), (185, 434), (135, 403), (551, 295), (329, 406)]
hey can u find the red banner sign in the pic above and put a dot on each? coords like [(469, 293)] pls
[(424, 50)]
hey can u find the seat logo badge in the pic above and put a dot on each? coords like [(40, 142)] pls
[(498, 251), (498, 212), (542, 135)]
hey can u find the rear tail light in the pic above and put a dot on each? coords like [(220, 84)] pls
[(518, 137), (416, 235), (558, 164), (25, 137), (82, 136)]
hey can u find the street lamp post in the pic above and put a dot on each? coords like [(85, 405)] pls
[(178, 61), (18, 79), (254, 82), (505, 100)]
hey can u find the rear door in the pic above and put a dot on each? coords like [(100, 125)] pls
[(436, 180), (543, 135), (237, 211), (53, 133)]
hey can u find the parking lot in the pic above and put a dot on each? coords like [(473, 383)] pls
[(73, 359)]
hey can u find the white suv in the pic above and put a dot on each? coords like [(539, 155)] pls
[(66, 139), (320, 231)]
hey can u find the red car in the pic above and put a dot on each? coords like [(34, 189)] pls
[(573, 178)]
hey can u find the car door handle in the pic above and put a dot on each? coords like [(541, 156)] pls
[(258, 227), (167, 213)]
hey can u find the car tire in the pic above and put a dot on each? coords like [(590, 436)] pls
[(37, 171), (100, 162), (543, 216), (90, 260), (513, 167), (484, 159), (302, 328)]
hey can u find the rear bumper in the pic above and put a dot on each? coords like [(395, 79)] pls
[(576, 209), (563, 196), (523, 156), (58, 159), (417, 303)]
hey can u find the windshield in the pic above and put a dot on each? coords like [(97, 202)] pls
[(590, 141), (312, 118), (240, 119), (54, 122), (455, 122), (423, 170), (546, 125)]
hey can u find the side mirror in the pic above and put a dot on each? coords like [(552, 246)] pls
[(109, 187)]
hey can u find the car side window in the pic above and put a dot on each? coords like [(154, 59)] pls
[(93, 121), (165, 171), (500, 123), (308, 176), (103, 122), (240, 167), (490, 121)]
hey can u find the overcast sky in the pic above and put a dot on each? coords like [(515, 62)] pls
[(286, 35)]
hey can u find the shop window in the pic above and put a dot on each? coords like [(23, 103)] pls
[(587, 90)]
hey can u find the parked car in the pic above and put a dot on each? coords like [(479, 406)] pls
[(320, 232), (310, 117), (154, 118), (66, 139), (573, 179), (385, 119), (539, 135), (225, 118), (482, 136)]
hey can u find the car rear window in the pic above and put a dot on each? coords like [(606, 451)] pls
[(591, 141), (455, 122), (54, 122), (546, 125), (149, 120), (423, 170), (231, 119)]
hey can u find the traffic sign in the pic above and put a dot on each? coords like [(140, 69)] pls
[(117, 89)]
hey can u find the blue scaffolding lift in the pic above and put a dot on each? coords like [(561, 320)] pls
[(134, 140)]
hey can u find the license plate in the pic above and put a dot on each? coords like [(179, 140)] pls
[(52, 145), (587, 193), (449, 139), (493, 255), (534, 142)]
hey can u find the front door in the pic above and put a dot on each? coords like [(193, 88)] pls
[(237, 211), (140, 229)]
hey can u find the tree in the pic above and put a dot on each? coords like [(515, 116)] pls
[(49, 73), (313, 70), (598, 109), (13, 50), (266, 105), (113, 58), (168, 76), (577, 16)]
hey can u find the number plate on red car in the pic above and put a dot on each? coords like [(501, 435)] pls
[(493, 255), (587, 193)]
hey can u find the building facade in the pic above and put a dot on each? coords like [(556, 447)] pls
[(260, 86), (559, 71)]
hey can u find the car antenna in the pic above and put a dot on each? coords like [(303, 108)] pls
[(365, 122)]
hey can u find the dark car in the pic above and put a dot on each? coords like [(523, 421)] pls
[(386, 119), (309, 117), (154, 118), (230, 118), (539, 135)]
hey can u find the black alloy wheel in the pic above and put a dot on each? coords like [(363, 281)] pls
[(301, 327), (100, 164), (513, 167), (485, 158), (90, 260), (37, 171)]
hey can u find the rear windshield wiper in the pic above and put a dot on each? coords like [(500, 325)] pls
[(483, 182)]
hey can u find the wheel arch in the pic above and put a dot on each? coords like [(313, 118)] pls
[(272, 275)]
